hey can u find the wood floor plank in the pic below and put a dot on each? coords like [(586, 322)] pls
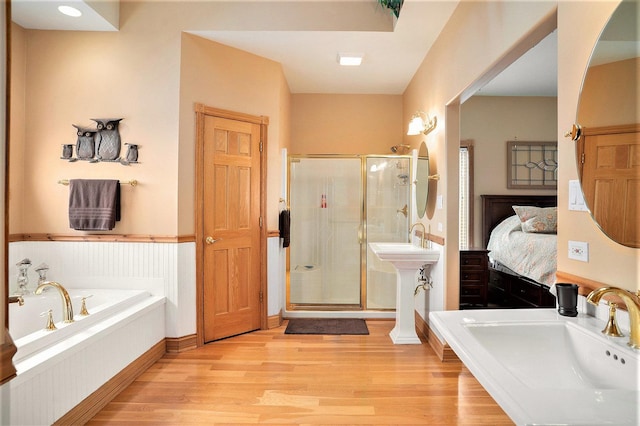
[(270, 377)]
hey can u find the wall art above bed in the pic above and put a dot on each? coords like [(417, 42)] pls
[(532, 165)]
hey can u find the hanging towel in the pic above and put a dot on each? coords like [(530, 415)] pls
[(94, 204), (284, 226)]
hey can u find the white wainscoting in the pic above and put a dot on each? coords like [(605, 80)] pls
[(164, 269), (275, 276)]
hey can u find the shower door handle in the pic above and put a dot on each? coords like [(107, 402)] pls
[(210, 240)]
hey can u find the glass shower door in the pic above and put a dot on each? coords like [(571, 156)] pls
[(387, 218), (325, 197)]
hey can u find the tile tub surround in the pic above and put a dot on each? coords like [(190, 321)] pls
[(544, 368)]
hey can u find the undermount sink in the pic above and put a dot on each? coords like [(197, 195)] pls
[(543, 368), (406, 259)]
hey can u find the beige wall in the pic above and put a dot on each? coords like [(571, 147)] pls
[(478, 36), (72, 77), (345, 124), (223, 77), (609, 263), (17, 164), (139, 74), (490, 122), (607, 97), (136, 74)]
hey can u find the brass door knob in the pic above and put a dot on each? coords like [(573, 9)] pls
[(210, 240)]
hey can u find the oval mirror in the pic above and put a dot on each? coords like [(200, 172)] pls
[(609, 117), (422, 180)]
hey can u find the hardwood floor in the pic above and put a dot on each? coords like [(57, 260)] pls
[(270, 377)]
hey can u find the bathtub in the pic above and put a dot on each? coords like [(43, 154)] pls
[(57, 369)]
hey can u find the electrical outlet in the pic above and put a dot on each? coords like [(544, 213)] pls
[(440, 227), (579, 250)]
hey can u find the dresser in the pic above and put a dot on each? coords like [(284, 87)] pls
[(510, 291), (474, 278)]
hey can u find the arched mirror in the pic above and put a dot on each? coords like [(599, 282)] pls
[(422, 180), (609, 117)]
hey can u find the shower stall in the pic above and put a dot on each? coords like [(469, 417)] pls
[(338, 205)]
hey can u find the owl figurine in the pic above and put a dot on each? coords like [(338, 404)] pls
[(108, 140), (132, 152), (85, 144)]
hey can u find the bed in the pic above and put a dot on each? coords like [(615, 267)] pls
[(521, 264)]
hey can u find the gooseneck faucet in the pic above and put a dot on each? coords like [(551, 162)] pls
[(67, 309), (424, 232), (633, 307)]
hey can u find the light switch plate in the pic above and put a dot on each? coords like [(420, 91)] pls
[(576, 200), (439, 202), (579, 250)]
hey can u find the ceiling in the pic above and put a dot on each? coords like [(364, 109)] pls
[(392, 49)]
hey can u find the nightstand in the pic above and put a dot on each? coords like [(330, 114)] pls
[(474, 278)]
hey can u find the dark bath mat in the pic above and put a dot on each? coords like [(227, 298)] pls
[(326, 326)]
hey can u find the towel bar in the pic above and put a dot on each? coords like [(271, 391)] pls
[(132, 182)]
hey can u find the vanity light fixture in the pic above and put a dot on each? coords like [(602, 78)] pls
[(69, 11), (350, 59), (421, 123)]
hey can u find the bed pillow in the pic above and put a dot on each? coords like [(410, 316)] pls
[(541, 220)]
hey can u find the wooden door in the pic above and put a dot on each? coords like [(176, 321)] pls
[(611, 180), (231, 227)]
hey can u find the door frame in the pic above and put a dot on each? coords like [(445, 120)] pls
[(201, 111)]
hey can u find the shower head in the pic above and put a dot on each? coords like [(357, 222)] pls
[(399, 149)]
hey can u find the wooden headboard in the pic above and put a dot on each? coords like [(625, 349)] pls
[(496, 208)]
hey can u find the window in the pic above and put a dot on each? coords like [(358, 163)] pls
[(532, 165), (465, 215)]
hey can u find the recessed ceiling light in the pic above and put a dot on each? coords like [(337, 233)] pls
[(350, 59), (69, 11)]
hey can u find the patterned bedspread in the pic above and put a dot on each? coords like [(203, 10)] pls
[(528, 254)]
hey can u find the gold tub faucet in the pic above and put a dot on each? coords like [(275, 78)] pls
[(632, 302), (67, 309), (16, 299)]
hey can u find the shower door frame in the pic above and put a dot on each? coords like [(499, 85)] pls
[(362, 233)]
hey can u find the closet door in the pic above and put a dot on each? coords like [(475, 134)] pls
[(231, 205)]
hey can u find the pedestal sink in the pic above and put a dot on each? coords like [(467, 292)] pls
[(407, 259)]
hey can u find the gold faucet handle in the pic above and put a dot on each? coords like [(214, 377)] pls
[(50, 324), (612, 329), (83, 308)]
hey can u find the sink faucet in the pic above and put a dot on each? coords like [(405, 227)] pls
[(67, 309), (633, 307), (424, 232)]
